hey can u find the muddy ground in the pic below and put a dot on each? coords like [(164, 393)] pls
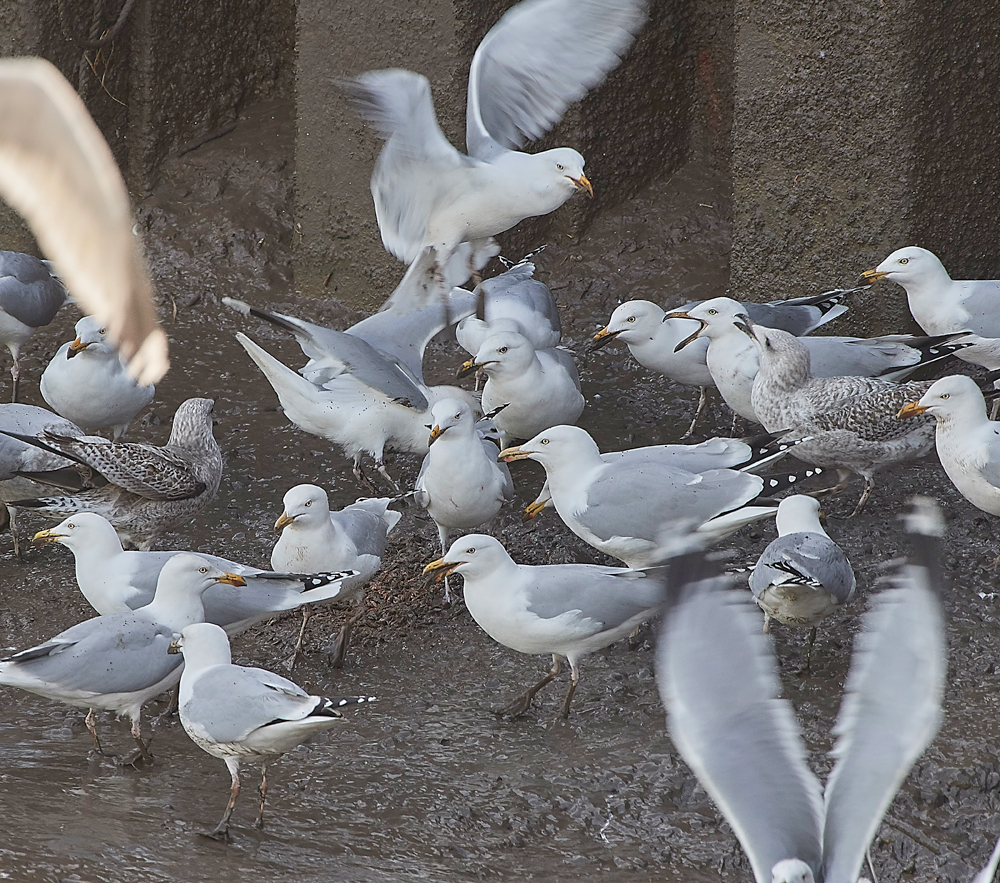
[(428, 784)]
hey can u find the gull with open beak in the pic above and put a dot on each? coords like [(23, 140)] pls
[(312, 538), (542, 56), (461, 484), (87, 381), (566, 610), (118, 662)]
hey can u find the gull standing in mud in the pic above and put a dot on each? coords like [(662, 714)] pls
[(237, 713), (141, 489), (312, 539), (541, 56), (803, 575), (566, 610), (461, 484)]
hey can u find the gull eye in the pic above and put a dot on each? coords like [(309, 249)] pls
[(308, 503), (945, 395), (502, 350), (904, 260), (560, 167), (71, 526), (544, 441), (713, 312), (202, 570), (470, 551), (458, 416), (103, 331), (630, 319)]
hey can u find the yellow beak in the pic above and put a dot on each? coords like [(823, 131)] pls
[(509, 455), (680, 314), (46, 536), (873, 275), (533, 510), (77, 346), (174, 648), (439, 568), (603, 338), (231, 579), (283, 522), (436, 433), (468, 368), (582, 183), (913, 409)]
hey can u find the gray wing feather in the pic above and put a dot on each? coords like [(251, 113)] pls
[(812, 555), (634, 501), (367, 529), (720, 686), (890, 713), (990, 470), (981, 300), (28, 292), (542, 56), (231, 701), (592, 591)]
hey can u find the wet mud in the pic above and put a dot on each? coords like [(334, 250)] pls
[(428, 783)]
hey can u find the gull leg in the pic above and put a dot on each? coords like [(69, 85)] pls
[(385, 474), (702, 401), (92, 729), (865, 494), (523, 702), (221, 830), (15, 373), (574, 679), (12, 518), (363, 479), (306, 613), (767, 624), (443, 536), (807, 668), (262, 791), (141, 751), (339, 647)]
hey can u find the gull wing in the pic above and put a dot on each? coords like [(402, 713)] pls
[(57, 170), (542, 56), (719, 682), (892, 704)]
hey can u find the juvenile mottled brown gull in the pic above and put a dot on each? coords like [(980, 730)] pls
[(620, 505), (850, 421), (538, 388), (313, 539), (542, 56), (87, 382), (119, 661), (567, 610), (654, 337), (242, 714), (720, 685), (141, 489), (351, 393), (461, 484), (803, 575), (733, 363), (968, 442), (115, 581)]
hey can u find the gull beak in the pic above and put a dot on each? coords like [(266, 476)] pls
[(468, 368), (583, 184), (680, 314), (603, 338), (439, 569), (283, 522), (46, 536), (77, 346), (509, 455), (436, 433), (533, 510), (873, 275), (745, 325), (231, 579), (913, 409), (174, 648)]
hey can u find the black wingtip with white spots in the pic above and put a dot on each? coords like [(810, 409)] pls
[(775, 484)]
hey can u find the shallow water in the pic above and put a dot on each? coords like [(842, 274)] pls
[(427, 783)]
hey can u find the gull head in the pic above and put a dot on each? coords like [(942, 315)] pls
[(632, 322), (89, 333), (791, 870), (717, 317), (952, 397), (203, 644), (908, 265), (192, 422), (472, 555), (188, 575), (83, 531), (563, 167), (798, 513), (556, 446), (450, 414), (502, 355), (305, 505)]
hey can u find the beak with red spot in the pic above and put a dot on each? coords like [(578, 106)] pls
[(75, 348), (438, 569), (231, 579), (873, 275), (283, 522), (603, 338)]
